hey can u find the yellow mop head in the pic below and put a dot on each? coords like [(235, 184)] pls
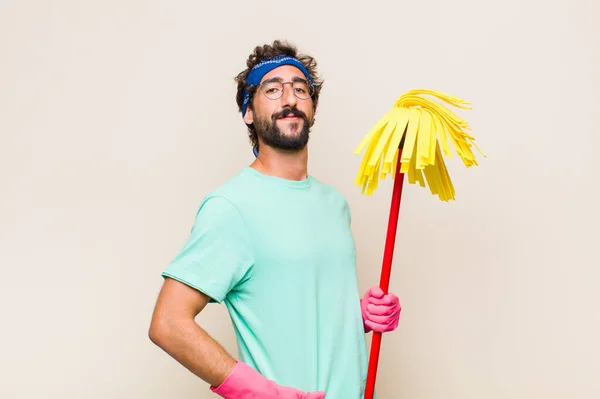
[(413, 125)]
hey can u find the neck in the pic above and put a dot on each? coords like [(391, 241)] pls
[(283, 164)]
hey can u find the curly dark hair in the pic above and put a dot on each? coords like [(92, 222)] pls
[(277, 48)]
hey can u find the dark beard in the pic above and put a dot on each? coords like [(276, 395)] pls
[(272, 136)]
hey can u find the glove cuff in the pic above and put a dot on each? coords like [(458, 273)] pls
[(363, 310), (240, 383)]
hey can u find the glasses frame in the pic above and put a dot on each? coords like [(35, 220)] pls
[(311, 90)]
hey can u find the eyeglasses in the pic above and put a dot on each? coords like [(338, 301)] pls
[(273, 90)]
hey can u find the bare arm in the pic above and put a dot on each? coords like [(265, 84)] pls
[(174, 329)]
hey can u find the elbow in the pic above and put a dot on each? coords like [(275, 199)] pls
[(158, 331)]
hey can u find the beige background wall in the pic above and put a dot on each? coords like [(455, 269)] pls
[(116, 117)]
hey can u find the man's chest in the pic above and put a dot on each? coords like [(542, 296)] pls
[(303, 245)]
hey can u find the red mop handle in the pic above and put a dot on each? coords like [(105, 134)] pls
[(386, 271)]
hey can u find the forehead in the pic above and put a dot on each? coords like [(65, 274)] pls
[(284, 72)]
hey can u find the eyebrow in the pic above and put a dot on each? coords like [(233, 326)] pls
[(299, 79), (280, 80)]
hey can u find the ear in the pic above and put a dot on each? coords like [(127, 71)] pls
[(249, 116)]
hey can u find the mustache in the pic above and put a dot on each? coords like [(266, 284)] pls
[(289, 111)]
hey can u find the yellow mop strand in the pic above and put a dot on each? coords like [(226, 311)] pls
[(423, 124)]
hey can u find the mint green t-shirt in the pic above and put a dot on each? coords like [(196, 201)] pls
[(280, 255)]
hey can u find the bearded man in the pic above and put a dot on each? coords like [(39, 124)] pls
[(274, 244)]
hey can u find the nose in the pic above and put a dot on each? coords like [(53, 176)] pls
[(288, 99)]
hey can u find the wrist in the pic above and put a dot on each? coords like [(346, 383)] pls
[(363, 308), (240, 382)]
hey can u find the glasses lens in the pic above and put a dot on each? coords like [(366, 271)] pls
[(302, 90), (272, 90)]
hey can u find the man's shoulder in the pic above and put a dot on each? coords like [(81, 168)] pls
[(330, 191), (234, 190), (234, 185)]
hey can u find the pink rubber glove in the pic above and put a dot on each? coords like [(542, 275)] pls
[(246, 383), (380, 312)]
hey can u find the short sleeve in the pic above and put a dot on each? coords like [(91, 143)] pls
[(347, 212), (217, 255)]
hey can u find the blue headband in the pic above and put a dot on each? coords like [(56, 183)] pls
[(267, 65)]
